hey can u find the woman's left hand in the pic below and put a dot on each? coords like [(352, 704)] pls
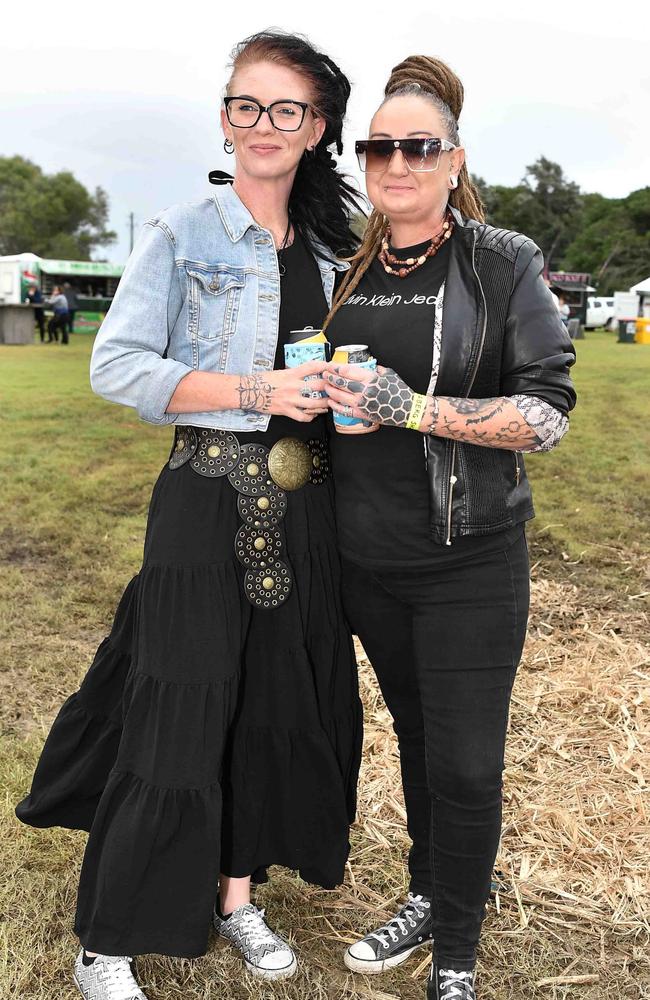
[(381, 396)]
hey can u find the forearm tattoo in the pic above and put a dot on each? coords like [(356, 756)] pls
[(550, 425), (519, 423), (254, 393), (387, 400)]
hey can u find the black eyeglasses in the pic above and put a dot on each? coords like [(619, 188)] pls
[(244, 112), (420, 154)]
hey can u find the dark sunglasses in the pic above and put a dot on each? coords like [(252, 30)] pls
[(420, 154)]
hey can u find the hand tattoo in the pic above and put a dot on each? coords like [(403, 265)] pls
[(387, 400), (254, 393)]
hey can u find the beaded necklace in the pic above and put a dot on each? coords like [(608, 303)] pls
[(405, 267)]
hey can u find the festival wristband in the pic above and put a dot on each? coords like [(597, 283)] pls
[(417, 411)]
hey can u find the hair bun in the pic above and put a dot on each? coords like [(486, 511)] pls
[(430, 74)]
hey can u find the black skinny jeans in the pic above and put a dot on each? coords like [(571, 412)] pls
[(445, 645)]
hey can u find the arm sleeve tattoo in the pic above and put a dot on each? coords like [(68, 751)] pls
[(520, 422), (254, 393), (550, 424)]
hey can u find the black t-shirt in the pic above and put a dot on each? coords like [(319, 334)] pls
[(382, 491), (302, 303)]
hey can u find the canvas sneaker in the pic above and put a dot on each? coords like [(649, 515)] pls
[(109, 977), (392, 943), (446, 984), (265, 953)]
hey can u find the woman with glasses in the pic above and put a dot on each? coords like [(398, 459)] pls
[(218, 729), (432, 497)]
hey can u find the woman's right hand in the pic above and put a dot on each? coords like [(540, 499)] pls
[(285, 392)]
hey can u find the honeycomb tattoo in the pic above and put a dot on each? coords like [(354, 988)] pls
[(387, 400)]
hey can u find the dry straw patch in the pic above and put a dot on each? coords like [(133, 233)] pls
[(571, 916)]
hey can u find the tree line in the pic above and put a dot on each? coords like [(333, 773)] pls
[(608, 238), (53, 215)]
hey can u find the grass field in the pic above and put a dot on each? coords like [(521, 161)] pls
[(573, 916)]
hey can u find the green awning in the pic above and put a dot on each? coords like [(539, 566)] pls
[(82, 267)]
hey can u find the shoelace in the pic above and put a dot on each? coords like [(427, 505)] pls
[(117, 976), (456, 984), (257, 930), (414, 906)]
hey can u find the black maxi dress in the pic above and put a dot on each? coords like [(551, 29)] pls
[(209, 735)]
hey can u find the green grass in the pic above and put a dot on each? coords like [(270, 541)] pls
[(77, 475), (591, 492)]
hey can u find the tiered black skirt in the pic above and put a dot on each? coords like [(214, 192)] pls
[(207, 736)]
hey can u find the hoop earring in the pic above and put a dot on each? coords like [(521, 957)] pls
[(229, 146), (453, 181)]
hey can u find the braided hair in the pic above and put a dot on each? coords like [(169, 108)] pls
[(321, 200), (434, 81)]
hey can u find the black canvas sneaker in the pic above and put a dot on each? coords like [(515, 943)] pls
[(393, 942), (265, 953), (446, 984)]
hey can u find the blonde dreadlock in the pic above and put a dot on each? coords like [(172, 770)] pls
[(432, 80)]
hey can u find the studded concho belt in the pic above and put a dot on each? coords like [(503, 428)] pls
[(262, 477)]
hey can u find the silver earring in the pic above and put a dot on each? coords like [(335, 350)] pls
[(453, 181), (229, 146)]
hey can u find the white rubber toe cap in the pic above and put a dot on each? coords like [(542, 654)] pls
[(278, 960), (362, 951)]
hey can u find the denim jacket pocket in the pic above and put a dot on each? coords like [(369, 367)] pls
[(214, 295)]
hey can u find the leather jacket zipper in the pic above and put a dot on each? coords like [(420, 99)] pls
[(453, 479)]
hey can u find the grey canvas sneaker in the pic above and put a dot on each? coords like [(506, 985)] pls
[(109, 977), (393, 942), (265, 953)]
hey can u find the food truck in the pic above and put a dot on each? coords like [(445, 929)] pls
[(575, 287), (95, 283)]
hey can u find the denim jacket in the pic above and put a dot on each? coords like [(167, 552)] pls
[(201, 290)]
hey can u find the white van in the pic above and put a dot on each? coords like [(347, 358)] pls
[(600, 312)]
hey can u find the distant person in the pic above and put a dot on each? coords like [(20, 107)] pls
[(59, 321), (70, 294), (34, 297), (555, 297), (565, 310)]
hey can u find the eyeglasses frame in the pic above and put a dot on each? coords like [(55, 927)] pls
[(445, 147), (303, 105)]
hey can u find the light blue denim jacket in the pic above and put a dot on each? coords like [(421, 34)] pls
[(201, 290)]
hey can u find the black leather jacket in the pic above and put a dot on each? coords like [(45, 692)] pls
[(501, 335)]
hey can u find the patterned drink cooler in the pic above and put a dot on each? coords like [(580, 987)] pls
[(306, 345), (359, 355)]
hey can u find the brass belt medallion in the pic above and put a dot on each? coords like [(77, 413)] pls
[(290, 463)]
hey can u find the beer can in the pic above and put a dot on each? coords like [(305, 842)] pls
[(352, 354), (304, 345)]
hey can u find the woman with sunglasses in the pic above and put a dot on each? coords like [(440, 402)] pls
[(432, 497), (218, 729)]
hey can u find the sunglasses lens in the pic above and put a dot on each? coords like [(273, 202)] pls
[(421, 154), (373, 154)]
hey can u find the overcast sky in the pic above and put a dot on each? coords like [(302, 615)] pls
[(126, 95)]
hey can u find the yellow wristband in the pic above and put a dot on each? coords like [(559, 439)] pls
[(418, 407)]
